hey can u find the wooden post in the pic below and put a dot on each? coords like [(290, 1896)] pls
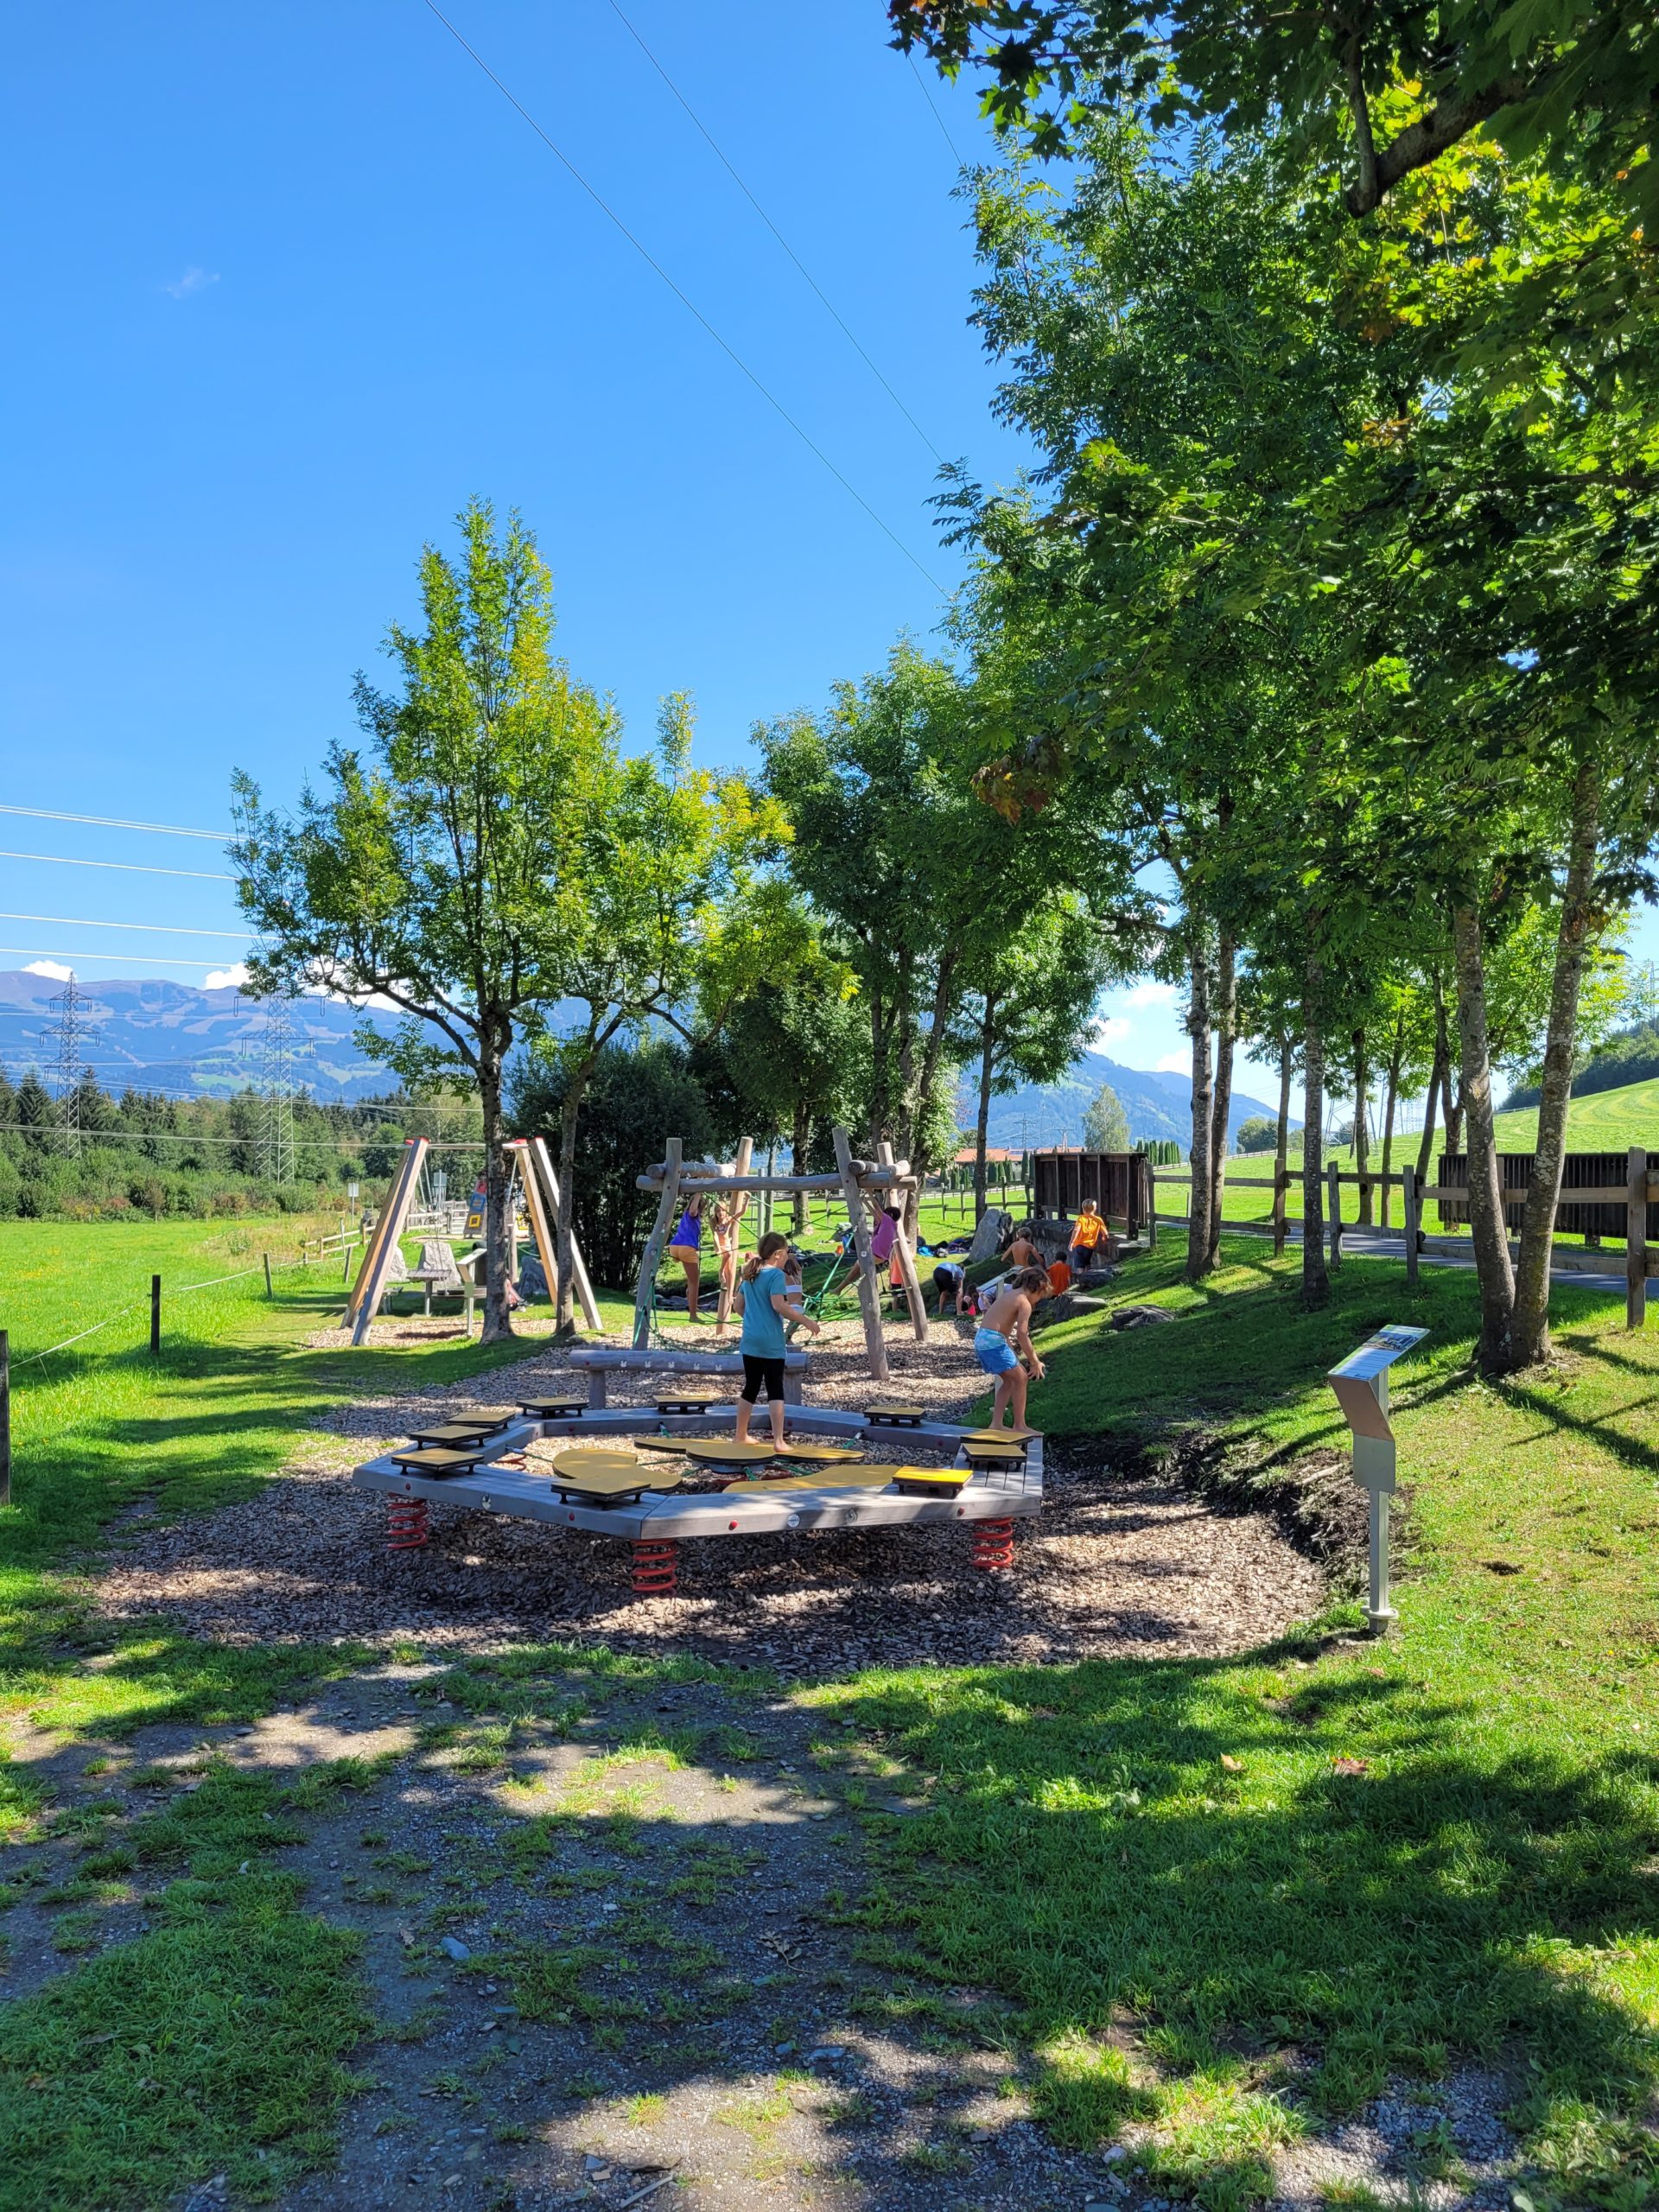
[(5, 1417), (1151, 1207), (741, 1161), (870, 1296), (644, 1293), (362, 1305), (154, 1317), (907, 1257), (269, 1293), (1414, 1214), (1280, 1184), (1333, 1201), (1636, 1238), (543, 1161)]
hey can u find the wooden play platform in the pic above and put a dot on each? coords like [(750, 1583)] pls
[(605, 1485)]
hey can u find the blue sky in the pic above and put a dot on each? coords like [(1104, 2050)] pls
[(290, 285)]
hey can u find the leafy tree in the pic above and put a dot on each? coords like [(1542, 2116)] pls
[(1573, 78), (634, 1098), (671, 896), (448, 873), (1105, 1125), (1258, 1133)]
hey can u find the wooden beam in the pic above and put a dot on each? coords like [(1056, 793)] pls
[(541, 1229), (1413, 1219), (644, 1293), (876, 1343), (372, 1277), (907, 1263), (692, 1186), (583, 1288)]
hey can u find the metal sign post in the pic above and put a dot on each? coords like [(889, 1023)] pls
[(1361, 1384)]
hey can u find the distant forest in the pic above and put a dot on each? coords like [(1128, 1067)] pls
[(143, 1153), (1628, 1056)]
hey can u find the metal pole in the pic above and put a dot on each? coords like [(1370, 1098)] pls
[(1380, 1610), (5, 1417)]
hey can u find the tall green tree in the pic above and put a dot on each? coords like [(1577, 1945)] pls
[(444, 868)]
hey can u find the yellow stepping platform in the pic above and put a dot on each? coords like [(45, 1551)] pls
[(930, 1482), (983, 1454), (900, 1412), (1020, 1436), (456, 1433), (606, 1478), (692, 1401), (555, 1409), (816, 1455), (438, 1459)]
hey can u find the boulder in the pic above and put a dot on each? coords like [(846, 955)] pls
[(990, 1235)]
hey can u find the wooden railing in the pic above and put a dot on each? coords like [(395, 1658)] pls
[(1636, 1194)]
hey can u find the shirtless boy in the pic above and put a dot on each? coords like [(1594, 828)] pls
[(1003, 1342)]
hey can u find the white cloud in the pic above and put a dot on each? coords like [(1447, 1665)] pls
[(1174, 1063), (1109, 1030), (1150, 994), (54, 969), (227, 979), (192, 280)]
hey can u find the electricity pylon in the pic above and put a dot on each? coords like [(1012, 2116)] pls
[(71, 1034)]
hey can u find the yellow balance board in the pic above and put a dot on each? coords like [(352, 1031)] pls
[(894, 1409), (863, 1474), (1020, 1436), (456, 1433), (555, 1409), (605, 1477), (816, 1455), (668, 1401), (724, 1452)]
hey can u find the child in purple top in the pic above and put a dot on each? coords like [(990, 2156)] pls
[(686, 1246)]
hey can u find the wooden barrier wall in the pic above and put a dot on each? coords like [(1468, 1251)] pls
[(1120, 1183)]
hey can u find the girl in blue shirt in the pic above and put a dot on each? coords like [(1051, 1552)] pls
[(768, 1301)]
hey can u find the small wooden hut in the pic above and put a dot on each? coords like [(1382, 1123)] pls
[(1120, 1183)]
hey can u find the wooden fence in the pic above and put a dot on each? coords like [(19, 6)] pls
[(1120, 1183), (1596, 1201)]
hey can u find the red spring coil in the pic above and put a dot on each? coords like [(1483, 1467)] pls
[(406, 1523), (993, 1545), (654, 1568)]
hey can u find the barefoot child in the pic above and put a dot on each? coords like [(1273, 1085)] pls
[(767, 1310), (1003, 1342), (686, 1246)]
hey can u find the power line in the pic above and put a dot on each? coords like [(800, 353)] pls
[(154, 959), (111, 822), (82, 922), (131, 868), (944, 128), (729, 350), (828, 305)]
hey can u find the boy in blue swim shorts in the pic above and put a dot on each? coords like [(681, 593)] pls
[(1003, 1342)]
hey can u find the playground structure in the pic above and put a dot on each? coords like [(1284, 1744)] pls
[(990, 1482), (881, 1182), (1120, 1183), (533, 1177)]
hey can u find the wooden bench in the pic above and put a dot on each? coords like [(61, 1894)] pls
[(600, 1361)]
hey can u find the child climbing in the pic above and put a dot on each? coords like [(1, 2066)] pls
[(686, 1246), (1086, 1232), (727, 1224), (769, 1307), (1003, 1342)]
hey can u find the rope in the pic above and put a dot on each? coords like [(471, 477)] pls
[(179, 1290)]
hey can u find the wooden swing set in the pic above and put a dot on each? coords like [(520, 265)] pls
[(532, 1174), (883, 1181)]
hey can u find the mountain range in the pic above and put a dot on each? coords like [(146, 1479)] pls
[(187, 1042), (194, 1043), (1157, 1104)]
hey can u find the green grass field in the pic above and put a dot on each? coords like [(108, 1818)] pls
[(1293, 1876)]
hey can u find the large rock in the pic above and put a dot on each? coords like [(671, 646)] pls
[(990, 1235), (437, 1266)]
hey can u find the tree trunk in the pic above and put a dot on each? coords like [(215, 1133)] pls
[(1393, 1092), (498, 1322), (1281, 1149), (800, 1144), (1362, 1131), (1531, 1337), (986, 1066), (1495, 1349), (1316, 1282), (1226, 1012), (1436, 1086), (1197, 1024)]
